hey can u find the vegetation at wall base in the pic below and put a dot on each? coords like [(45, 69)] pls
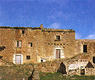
[(59, 76), (16, 72)]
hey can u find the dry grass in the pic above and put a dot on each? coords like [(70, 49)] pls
[(15, 72)]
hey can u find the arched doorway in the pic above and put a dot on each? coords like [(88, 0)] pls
[(62, 68)]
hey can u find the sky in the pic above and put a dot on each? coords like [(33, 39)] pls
[(78, 15)]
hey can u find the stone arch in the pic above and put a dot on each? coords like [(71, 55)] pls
[(62, 68)]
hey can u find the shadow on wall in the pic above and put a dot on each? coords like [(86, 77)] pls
[(62, 68), (31, 76)]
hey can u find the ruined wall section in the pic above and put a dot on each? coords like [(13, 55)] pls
[(90, 45), (90, 49)]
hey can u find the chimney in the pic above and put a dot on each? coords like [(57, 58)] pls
[(41, 26)]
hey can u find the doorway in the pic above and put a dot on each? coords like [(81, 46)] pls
[(58, 53), (18, 59), (62, 68), (82, 72)]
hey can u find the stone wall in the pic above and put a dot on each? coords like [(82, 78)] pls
[(90, 71), (55, 66), (44, 43), (7, 39), (58, 65), (90, 49)]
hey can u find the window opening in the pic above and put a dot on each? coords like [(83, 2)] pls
[(84, 48)]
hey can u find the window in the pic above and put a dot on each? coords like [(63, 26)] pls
[(30, 44), (58, 53), (19, 43), (23, 31), (2, 48), (84, 48), (1, 57), (94, 60), (27, 57), (82, 71), (57, 38), (43, 60)]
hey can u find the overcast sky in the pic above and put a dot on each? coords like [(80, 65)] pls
[(61, 14)]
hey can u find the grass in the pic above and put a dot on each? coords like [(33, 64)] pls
[(16, 72), (59, 76)]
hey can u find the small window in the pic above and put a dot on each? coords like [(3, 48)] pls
[(1, 57), (27, 57), (19, 43), (41, 60), (94, 60), (2, 48), (30, 44), (84, 48), (58, 38), (23, 31), (48, 43), (60, 44), (54, 43)]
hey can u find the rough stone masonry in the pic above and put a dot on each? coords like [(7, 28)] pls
[(21, 45)]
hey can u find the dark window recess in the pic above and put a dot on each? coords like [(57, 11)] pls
[(17, 43), (57, 38), (30, 44), (54, 43), (60, 44), (84, 48), (28, 57), (48, 43), (41, 60), (1, 57), (2, 48), (94, 60), (82, 72), (23, 31)]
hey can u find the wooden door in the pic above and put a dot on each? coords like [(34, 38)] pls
[(18, 59), (58, 53)]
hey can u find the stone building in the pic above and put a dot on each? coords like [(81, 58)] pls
[(84, 63), (30, 45), (38, 44)]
